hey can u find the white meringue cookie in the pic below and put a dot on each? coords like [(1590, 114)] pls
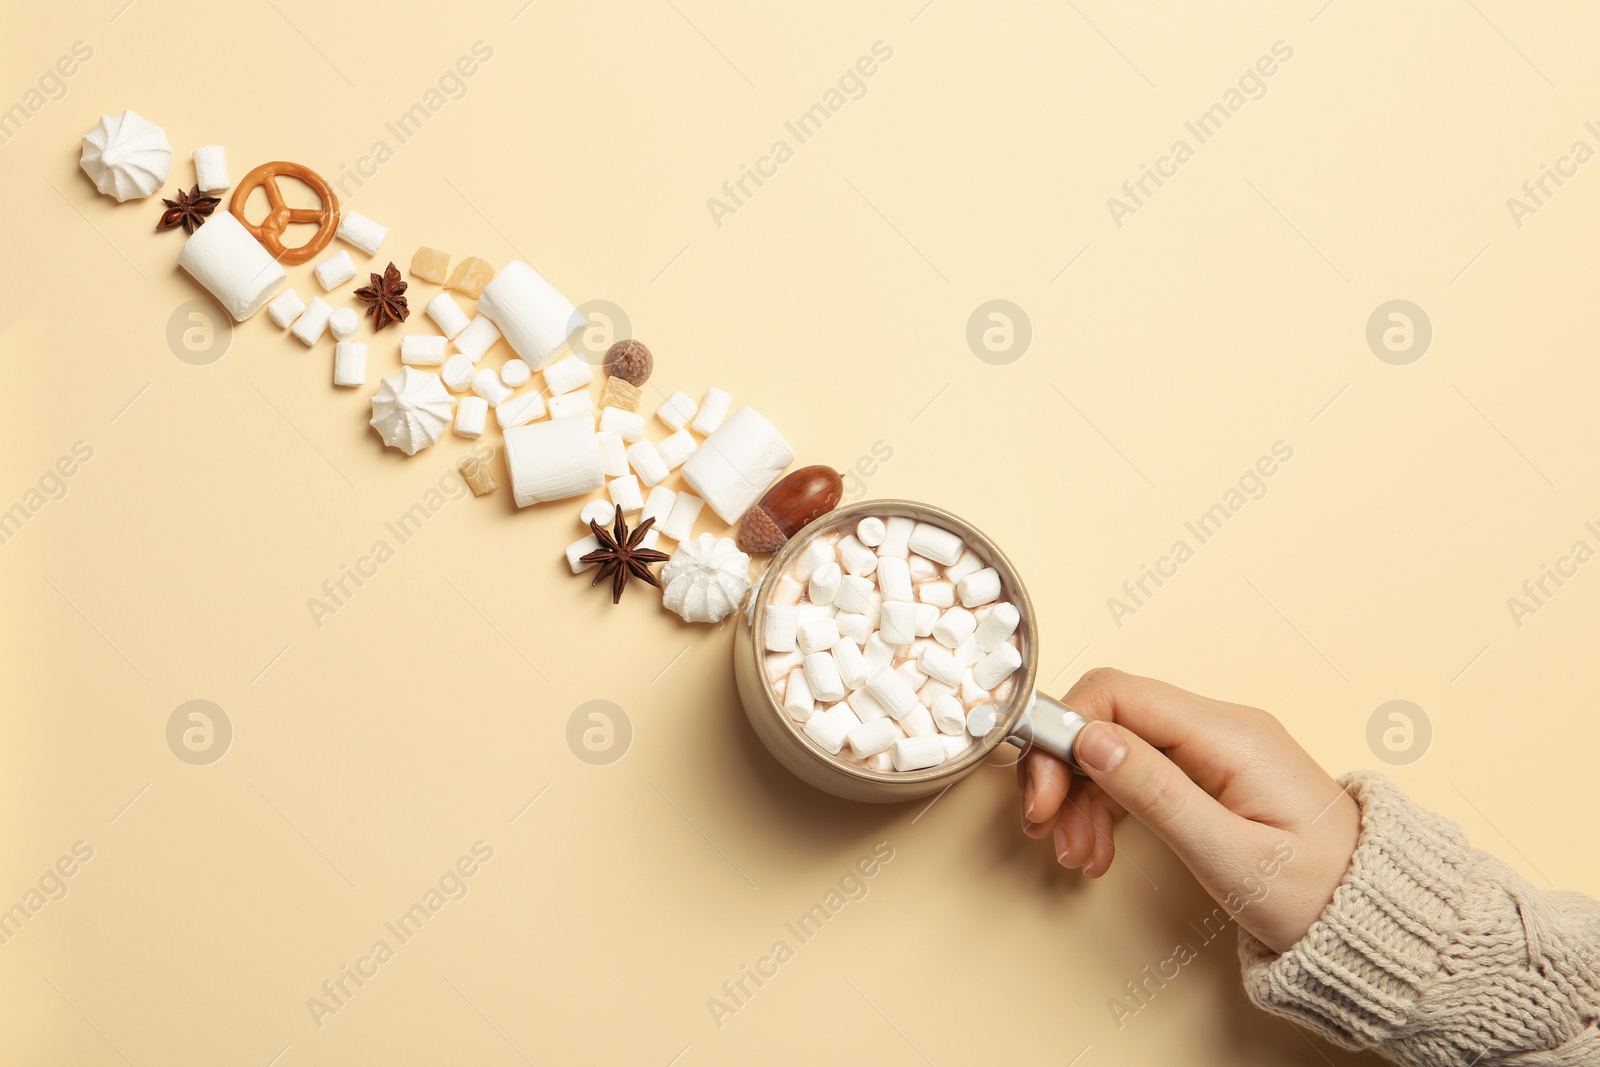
[(411, 410), (706, 579), (126, 156)]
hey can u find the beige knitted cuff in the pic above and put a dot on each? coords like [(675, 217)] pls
[(1356, 974)]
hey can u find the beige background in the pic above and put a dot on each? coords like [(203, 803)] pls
[(1167, 355)]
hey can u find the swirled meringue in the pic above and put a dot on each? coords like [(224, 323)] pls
[(706, 579)]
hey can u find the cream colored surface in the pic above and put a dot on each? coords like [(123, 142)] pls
[(1167, 355)]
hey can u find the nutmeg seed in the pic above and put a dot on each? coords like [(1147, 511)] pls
[(794, 502), (629, 360)]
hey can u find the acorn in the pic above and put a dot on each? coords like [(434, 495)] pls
[(629, 360), (794, 502)]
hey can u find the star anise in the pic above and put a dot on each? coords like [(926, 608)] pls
[(387, 296), (620, 556), (190, 211)]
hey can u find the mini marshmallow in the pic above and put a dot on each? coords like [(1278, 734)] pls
[(737, 463), (343, 323), (658, 505), (350, 363), (779, 664), (602, 511), (918, 753), (518, 410), (422, 349), (447, 315), (897, 537), (982, 719), (676, 448), (979, 587), (909, 673), (233, 266), (938, 544), (933, 689), (871, 738), (997, 626), (823, 585), (285, 308), (783, 625), (894, 578), (797, 698), (211, 168), (866, 706), (356, 229), (487, 384), (918, 722), (613, 454), (457, 372), (644, 458), (855, 557), (996, 667), (854, 594), (335, 270), (552, 460), (870, 531), (680, 524), (954, 627), (787, 592), (813, 556), (651, 538), (927, 616), (515, 373), (313, 321), (852, 666), (472, 414), (676, 411), (891, 691), (940, 665), (968, 653), (877, 652), (899, 625), (816, 635), (817, 611), (853, 625), (563, 376), (572, 404), (955, 744), (830, 728), (939, 594), (822, 675), (883, 763), (921, 568), (628, 425), (536, 318), (476, 338), (625, 494), (580, 548), (713, 409), (970, 561), (971, 691)]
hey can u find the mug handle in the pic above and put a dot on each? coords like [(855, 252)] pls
[(1050, 726)]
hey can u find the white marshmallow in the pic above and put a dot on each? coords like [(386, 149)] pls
[(676, 448), (996, 667), (830, 728), (580, 548), (932, 690), (968, 653), (817, 611), (955, 744), (603, 512), (938, 544), (713, 409), (921, 568), (572, 404), (355, 228), (737, 463), (816, 635), (472, 414), (285, 308), (644, 458), (939, 594), (676, 411), (927, 615), (779, 664), (894, 578), (855, 557), (911, 675), (343, 323), (628, 425), (866, 706), (823, 585), (918, 753), (979, 587), (787, 591), (565, 375), (680, 524), (870, 531), (971, 691), (624, 492), (518, 410), (658, 505), (891, 691), (940, 665), (552, 460), (822, 675), (477, 337), (783, 625), (871, 738), (797, 698), (350, 363), (982, 719), (997, 626), (954, 627), (335, 270), (918, 722), (852, 666), (233, 266), (897, 537), (899, 623), (448, 316), (855, 594), (211, 168), (883, 763), (487, 384), (811, 557), (613, 454), (854, 626), (970, 561), (535, 318), (313, 321), (422, 349), (457, 371), (515, 373), (651, 538)]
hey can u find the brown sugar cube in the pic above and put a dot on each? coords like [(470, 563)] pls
[(430, 264), (476, 472), (470, 276), (620, 393)]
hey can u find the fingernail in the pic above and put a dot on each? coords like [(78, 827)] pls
[(1027, 798), (1061, 846), (1100, 748)]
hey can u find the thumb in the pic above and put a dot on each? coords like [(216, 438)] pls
[(1155, 791)]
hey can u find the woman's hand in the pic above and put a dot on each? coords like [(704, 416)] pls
[(1265, 830)]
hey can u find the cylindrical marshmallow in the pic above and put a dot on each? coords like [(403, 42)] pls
[(355, 228), (822, 675), (853, 625), (870, 531), (580, 548), (918, 753), (628, 425), (519, 410), (744, 456), (855, 557), (927, 615), (487, 384), (343, 323), (878, 652), (783, 624), (997, 626), (894, 578), (816, 634), (680, 524), (852, 666), (854, 594), (918, 722), (422, 349), (472, 415), (676, 411), (955, 744), (871, 738), (313, 321), (939, 594), (447, 315), (866, 706), (713, 409), (572, 404), (565, 375), (647, 462), (937, 543), (535, 318), (823, 585), (979, 587), (233, 266), (954, 627), (675, 448), (949, 715), (811, 557), (477, 338), (515, 373), (458, 371), (899, 623), (624, 493), (211, 168), (970, 561), (335, 270), (658, 504), (892, 691), (830, 728), (286, 307), (971, 691), (613, 454), (779, 664), (552, 460), (897, 537), (922, 568), (996, 667), (603, 512), (350, 363), (939, 664), (797, 698)]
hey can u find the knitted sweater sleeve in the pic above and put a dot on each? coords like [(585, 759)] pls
[(1435, 954)]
